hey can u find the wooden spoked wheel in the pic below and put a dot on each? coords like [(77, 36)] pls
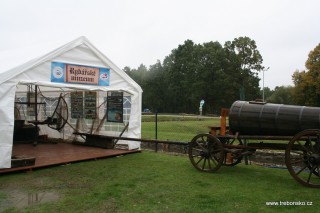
[(206, 153), (302, 157)]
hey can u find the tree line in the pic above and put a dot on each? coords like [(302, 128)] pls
[(218, 74)]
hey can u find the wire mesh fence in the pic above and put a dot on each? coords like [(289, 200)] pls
[(174, 127)]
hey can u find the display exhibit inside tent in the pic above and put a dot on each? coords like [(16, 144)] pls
[(66, 95)]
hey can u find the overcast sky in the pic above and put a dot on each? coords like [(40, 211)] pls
[(131, 32)]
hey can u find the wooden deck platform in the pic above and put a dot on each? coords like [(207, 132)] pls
[(60, 153)]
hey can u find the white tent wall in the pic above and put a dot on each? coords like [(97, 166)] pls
[(38, 72), (7, 93)]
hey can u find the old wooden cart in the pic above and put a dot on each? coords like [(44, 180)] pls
[(252, 122)]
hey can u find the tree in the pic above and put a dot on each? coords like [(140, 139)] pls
[(300, 91), (282, 95), (267, 93), (155, 92), (181, 67), (194, 72), (246, 61), (139, 75), (209, 78), (247, 54), (307, 82)]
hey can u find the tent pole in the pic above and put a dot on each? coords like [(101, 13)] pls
[(36, 103)]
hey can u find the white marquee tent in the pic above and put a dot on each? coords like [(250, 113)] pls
[(40, 72)]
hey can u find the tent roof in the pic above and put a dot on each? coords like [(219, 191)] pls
[(9, 74)]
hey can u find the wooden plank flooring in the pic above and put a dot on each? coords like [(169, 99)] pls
[(60, 153)]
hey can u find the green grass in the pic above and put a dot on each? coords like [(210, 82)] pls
[(156, 182), (176, 128)]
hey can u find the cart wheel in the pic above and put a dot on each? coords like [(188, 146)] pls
[(232, 157), (303, 157), (206, 153)]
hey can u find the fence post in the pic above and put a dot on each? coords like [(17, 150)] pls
[(156, 130)]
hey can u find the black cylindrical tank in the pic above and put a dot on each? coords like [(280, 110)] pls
[(259, 118)]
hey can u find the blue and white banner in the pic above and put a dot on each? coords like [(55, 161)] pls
[(79, 74)]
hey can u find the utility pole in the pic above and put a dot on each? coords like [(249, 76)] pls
[(263, 82)]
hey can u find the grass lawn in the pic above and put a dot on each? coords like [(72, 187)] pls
[(157, 182), (177, 128)]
